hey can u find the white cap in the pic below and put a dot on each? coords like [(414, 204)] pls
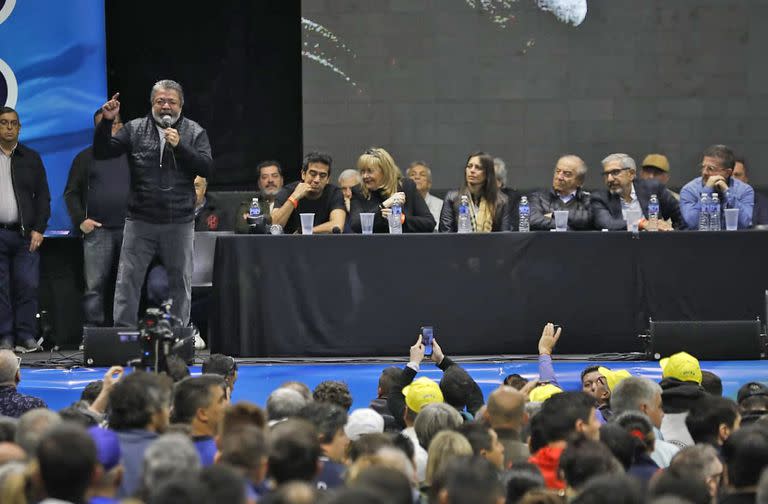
[(363, 421)]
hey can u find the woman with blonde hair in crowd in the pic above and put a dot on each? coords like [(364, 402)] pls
[(444, 447), (384, 186)]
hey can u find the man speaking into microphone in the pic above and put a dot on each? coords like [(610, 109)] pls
[(166, 151)]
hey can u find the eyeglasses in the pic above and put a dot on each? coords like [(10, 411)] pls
[(162, 101), (13, 124), (18, 362), (614, 173), (712, 168)]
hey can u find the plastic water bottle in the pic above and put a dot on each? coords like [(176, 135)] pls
[(255, 211), (714, 213), (653, 213), (704, 213), (525, 215), (465, 226), (395, 220)]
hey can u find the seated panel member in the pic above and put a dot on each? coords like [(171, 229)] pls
[(383, 186), (760, 212), (716, 170), (488, 207), (421, 174), (348, 179), (206, 214), (313, 194), (656, 167), (566, 194), (626, 192), (270, 182)]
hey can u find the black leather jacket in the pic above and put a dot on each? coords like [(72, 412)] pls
[(448, 215), (161, 193), (30, 186), (546, 202)]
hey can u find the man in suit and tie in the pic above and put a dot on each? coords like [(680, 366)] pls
[(625, 192)]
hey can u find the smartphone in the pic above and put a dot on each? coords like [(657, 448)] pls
[(427, 333)]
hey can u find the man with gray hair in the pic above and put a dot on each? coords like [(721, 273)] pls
[(166, 151), (12, 403), (421, 175), (31, 427), (566, 194), (284, 403), (641, 394), (170, 455), (434, 418), (348, 179), (500, 168), (624, 193)]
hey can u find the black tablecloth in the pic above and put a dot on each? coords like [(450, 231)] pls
[(354, 295)]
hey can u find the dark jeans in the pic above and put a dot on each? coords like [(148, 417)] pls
[(142, 242), (101, 253), (19, 278)]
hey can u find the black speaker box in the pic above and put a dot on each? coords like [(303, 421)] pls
[(708, 340), (117, 346)]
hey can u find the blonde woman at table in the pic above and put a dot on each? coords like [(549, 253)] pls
[(488, 207), (383, 186)]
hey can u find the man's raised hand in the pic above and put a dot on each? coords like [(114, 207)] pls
[(110, 109)]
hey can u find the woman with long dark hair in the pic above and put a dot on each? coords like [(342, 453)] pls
[(488, 207)]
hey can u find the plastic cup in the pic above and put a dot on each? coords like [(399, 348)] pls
[(307, 223), (366, 222), (633, 220), (731, 219), (561, 220)]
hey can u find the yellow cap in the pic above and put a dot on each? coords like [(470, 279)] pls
[(544, 392), (613, 378), (681, 366), (421, 392), (659, 161)]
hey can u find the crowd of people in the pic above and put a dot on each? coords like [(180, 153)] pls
[(171, 437)]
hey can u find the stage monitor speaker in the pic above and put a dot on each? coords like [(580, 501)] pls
[(708, 339), (117, 346)]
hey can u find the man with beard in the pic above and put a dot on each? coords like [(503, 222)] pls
[(625, 192), (270, 182), (166, 151)]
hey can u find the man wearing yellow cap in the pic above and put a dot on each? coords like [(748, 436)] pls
[(681, 392)]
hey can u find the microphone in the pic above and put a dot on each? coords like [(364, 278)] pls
[(167, 121), (336, 230)]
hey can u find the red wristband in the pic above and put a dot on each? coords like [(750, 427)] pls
[(293, 201)]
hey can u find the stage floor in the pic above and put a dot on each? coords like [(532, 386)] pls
[(60, 386)]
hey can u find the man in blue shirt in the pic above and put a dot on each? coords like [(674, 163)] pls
[(716, 170), (199, 401)]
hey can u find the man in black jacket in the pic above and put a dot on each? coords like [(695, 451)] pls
[(626, 192), (166, 151), (96, 196), (25, 205), (566, 194)]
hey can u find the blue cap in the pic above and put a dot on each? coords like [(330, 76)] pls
[(107, 447)]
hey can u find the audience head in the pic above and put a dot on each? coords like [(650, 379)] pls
[(10, 368), (422, 392), (334, 392), (284, 402), (387, 380), (670, 483), (506, 408), (200, 401), (520, 479), (299, 387), (167, 457), (294, 451), (368, 444), (656, 166), (639, 426), (240, 414), (140, 400), (180, 490), (433, 418), (701, 462), (620, 442), (66, 456), (584, 459), (32, 426), (108, 455), (638, 394), (349, 179), (515, 381), (711, 383), (500, 168), (363, 421), (569, 174), (421, 175), (712, 420), (485, 443), (746, 455), (618, 174), (593, 383), (295, 492), (456, 386), (717, 160), (611, 489), (740, 169), (467, 479), (445, 446), (753, 401), (329, 420), (566, 413), (224, 366), (270, 178), (224, 484), (201, 186), (371, 473), (247, 449), (379, 171), (91, 391)]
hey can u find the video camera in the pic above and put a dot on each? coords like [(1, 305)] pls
[(157, 337)]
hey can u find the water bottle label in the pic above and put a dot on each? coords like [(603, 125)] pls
[(255, 211)]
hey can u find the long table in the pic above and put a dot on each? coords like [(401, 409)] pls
[(354, 295)]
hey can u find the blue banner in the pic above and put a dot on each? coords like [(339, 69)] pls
[(53, 72)]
